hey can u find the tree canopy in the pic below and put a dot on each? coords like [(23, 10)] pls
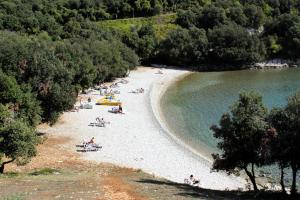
[(17, 140), (286, 121), (241, 133), (250, 136)]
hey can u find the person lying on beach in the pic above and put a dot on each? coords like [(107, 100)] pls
[(193, 180), (124, 81), (100, 120), (117, 110), (75, 109), (104, 87), (114, 85), (138, 91), (89, 146), (159, 72)]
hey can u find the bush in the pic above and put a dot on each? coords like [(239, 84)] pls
[(45, 171)]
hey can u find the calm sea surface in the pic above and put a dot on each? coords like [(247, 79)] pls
[(193, 104)]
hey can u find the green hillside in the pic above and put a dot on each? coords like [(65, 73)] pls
[(162, 24)]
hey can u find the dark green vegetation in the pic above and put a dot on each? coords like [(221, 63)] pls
[(44, 171), (230, 33), (235, 32), (49, 52), (19, 114), (250, 136)]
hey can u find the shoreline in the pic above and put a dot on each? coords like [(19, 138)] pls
[(158, 113), (138, 139)]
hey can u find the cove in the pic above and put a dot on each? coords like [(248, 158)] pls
[(191, 105)]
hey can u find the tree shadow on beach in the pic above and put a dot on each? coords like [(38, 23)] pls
[(183, 191)]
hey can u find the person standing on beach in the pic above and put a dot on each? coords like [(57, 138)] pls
[(120, 109)]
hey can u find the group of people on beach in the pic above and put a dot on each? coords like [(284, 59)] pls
[(99, 120)]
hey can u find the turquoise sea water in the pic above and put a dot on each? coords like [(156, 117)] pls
[(193, 104)]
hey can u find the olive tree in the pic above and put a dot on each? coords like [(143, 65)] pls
[(17, 140), (286, 121), (240, 133)]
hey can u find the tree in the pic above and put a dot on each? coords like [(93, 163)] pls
[(279, 145), (143, 6), (237, 15), (186, 19), (184, 46), (287, 123), (240, 134), (147, 42), (17, 140), (20, 100), (232, 43), (72, 28), (255, 16), (286, 30), (211, 16)]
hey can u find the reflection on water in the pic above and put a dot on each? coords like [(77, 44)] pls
[(193, 104)]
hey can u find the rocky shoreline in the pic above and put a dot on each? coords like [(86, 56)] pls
[(276, 64)]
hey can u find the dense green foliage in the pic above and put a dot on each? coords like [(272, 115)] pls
[(285, 146), (241, 133), (249, 136), (56, 71), (17, 139), (187, 46), (49, 52), (67, 52), (238, 32)]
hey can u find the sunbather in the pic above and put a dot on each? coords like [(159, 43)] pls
[(114, 85), (99, 120), (117, 110), (124, 81), (159, 72), (92, 141), (193, 180), (138, 91)]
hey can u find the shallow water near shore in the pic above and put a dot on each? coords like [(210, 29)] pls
[(191, 105)]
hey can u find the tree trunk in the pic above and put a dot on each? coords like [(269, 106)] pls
[(282, 179), (2, 168), (293, 188), (252, 177), (3, 164)]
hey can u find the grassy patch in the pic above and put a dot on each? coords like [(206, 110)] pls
[(162, 24), (10, 174), (45, 171), (13, 197)]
